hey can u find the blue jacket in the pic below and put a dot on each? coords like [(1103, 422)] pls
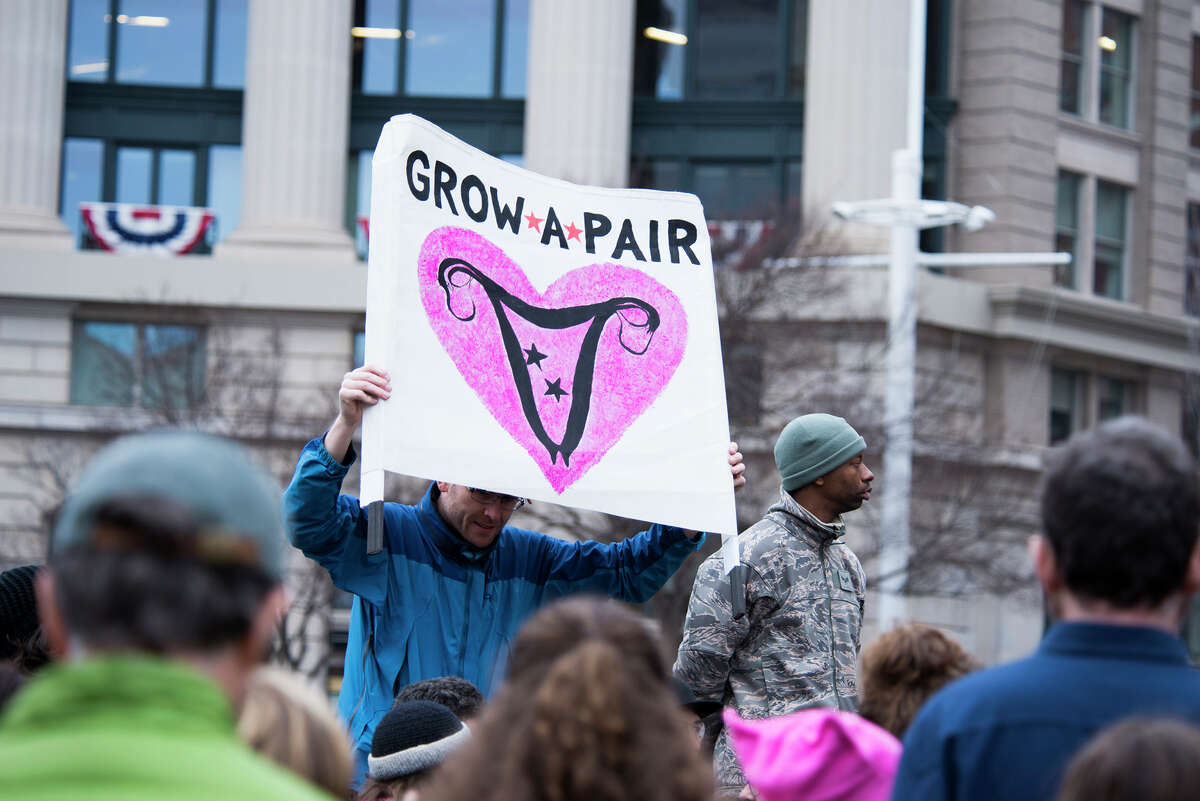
[(1009, 732), (430, 604)]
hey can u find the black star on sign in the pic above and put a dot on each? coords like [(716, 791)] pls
[(533, 356), (555, 388)]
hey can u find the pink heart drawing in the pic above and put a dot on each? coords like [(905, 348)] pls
[(565, 371)]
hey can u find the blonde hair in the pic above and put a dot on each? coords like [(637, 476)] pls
[(292, 724)]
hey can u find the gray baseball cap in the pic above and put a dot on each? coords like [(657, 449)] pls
[(234, 502)]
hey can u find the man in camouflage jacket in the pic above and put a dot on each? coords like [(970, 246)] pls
[(782, 630)]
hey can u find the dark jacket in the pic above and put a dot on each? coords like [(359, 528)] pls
[(1009, 732)]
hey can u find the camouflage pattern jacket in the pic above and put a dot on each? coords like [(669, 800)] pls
[(782, 630)]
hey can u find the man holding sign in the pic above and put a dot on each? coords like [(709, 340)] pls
[(454, 581), (545, 340)]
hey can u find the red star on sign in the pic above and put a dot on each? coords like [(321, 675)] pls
[(533, 221), (573, 232)]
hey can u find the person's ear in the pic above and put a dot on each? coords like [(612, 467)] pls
[(53, 625), (443, 486), (1191, 580), (256, 645), (1045, 565)]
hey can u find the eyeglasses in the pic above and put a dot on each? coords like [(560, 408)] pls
[(509, 503)]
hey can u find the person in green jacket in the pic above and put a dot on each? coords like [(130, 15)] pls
[(159, 599)]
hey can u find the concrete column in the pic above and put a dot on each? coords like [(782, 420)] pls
[(295, 130), (854, 117), (33, 46), (580, 89)]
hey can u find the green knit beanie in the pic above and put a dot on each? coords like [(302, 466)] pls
[(812, 445)]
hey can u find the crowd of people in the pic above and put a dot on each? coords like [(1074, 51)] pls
[(492, 663)]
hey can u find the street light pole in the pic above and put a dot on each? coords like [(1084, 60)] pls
[(900, 358)]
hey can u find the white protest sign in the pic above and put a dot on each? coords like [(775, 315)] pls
[(547, 340)]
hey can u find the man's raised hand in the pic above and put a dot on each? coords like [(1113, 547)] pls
[(362, 387)]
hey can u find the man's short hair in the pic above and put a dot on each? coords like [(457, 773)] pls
[(1121, 510), (153, 600), (458, 695)]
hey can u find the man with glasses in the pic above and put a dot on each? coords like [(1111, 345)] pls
[(453, 582)]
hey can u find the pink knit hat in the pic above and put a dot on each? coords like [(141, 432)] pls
[(815, 755)]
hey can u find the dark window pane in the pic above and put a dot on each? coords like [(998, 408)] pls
[(87, 50), (1064, 274), (1116, 67), (378, 46), (1194, 121), (362, 206), (360, 348), (134, 165), (1069, 96), (225, 188), (176, 178), (161, 41), (1107, 275), (657, 174), (736, 191), (1191, 290), (1109, 267), (799, 49), (736, 48), (103, 356), (450, 53), (229, 50), (1064, 404), (516, 45), (658, 52), (172, 367), (83, 161), (1114, 398), (1110, 211)]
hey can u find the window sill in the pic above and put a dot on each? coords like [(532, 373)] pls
[(1099, 130)]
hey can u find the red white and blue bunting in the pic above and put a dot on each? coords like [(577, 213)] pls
[(158, 230)]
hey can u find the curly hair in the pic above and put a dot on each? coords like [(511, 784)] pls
[(456, 694), (587, 714), (902, 668)]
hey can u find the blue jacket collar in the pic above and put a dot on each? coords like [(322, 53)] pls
[(1103, 641), (445, 538)]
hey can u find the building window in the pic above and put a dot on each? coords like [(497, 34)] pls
[(1096, 75), (137, 364), (1114, 397), (720, 49), (95, 170), (1194, 119), (440, 48), (1070, 90), (1191, 286), (158, 176), (1091, 222), (1066, 226), (182, 43), (360, 349), (1066, 404), (1080, 399), (1108, 272)]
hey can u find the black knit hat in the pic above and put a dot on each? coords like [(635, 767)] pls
[(18, 608), (412, 737)]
